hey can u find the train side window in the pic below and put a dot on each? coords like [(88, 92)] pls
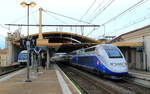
[(90, 49), (86, 59), (73, 53)]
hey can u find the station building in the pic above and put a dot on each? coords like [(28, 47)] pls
[(50, 43), (3, 57), (135, 46)]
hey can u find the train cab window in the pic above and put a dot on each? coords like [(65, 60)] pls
[(23, 56), (73, 53), (90, 49), (113, 53)]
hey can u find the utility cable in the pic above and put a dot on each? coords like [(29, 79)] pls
[(23, 17), (129, 9), (88, 10), (68, 17), (133, 23), (35, 19), (97, 8), (122, 13), (56, 18), (102, 10), (100, 4), (92, 31), (4, 27)]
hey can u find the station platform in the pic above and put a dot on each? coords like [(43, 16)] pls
[(140, 74), (51, 81)]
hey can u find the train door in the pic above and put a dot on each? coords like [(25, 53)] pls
[(74, 57)]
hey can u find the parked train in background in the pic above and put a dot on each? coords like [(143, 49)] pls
[(23, 57), (58, 57), (105, 59)]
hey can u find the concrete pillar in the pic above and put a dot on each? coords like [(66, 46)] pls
[(147, 52), (13, 51), (48, 59), (10, 58), (133, 58)]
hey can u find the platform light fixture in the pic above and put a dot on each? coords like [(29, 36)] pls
[(31, 4)]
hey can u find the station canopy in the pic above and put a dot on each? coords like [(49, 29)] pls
[(61, 41)]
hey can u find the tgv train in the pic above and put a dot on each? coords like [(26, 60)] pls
[(23, 57), (58, 57), (104, 58)]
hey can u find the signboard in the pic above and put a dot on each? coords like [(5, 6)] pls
[(42, 42)]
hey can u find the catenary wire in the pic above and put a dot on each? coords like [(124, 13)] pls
[(101, 10), (56, 18), (129, 9), (90, 7), (100, 4), (68, 17), (97, 8), (128, 25), (4, 27), (23, 17), (92, 31)]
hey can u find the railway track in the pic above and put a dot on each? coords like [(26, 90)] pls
[(138, 81), (90, 84), (93, 84), (132, 85), (87, 86), (9, 69)]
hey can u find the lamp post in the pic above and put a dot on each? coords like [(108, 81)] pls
[(31, 4)]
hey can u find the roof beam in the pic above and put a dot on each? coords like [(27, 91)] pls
[(128, 44), (54, 25)]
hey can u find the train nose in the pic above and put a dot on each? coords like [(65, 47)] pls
[(119, 67), (118, 64), (98, 62)]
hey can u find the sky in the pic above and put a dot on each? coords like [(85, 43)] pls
[(13, 13)]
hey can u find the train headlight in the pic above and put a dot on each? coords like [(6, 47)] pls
[(125, 64), (113, 64)]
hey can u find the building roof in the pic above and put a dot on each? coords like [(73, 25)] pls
[(66, 41), (119, 38), (4, 51), (61, 35)]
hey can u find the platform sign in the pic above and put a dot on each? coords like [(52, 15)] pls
[(42, 42), (140, 48), (28, 44)]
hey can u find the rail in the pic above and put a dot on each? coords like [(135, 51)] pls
[(8, 69)]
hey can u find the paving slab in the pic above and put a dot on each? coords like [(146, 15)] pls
[(140, 74), (45, 82)]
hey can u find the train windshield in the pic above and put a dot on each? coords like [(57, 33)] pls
[(113, 53), (23, 56)]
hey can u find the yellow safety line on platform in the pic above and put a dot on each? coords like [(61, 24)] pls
[(69, 80)]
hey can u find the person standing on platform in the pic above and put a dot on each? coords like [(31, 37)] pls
[(43, 60)]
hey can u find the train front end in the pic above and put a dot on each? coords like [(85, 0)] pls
[(113, 61)]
